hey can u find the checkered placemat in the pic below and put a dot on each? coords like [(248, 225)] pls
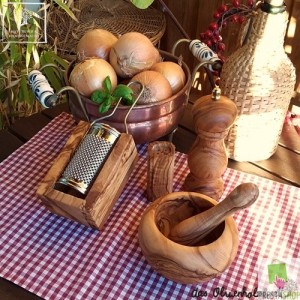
[(57, 258)]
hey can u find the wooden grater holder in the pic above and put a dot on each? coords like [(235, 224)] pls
[(95, 208)]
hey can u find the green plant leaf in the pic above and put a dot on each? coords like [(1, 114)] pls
[(66, 8), (28, 54), (99, 96), (122, 90), (142, 4), (52, 57), (24, 91), (31, 46), (4, 7), (106, 99), (15, 53), (104, 106), (35, 55), (52, 74), (106, 85), (6, 47), (128, 100), (18, 10)]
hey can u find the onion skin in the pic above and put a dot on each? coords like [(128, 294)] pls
[(88, 76), (132, 54), (156, 87), (173, 73), (95, 43)]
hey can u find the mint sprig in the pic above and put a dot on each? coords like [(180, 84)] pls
[(108, 97)]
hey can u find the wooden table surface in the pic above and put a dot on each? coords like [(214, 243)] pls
[(283, 166)]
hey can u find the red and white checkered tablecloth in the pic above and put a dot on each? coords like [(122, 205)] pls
[(57, 258)]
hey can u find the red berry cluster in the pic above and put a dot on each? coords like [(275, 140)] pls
[(236, 12)]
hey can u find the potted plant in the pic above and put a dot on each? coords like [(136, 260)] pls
[(24, 47)]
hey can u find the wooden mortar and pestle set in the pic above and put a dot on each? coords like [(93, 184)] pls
[(188, 236)]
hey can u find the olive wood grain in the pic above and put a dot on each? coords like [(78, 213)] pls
[(160, 169), (207, 159), (94, 209), (192, 230), (181, 263)]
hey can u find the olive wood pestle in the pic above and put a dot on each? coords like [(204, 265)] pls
[(190, 231), (213, 116)]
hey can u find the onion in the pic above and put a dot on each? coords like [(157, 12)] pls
[(156, 87), (133, 53), (95, 43), (87, 76), (173, 72)]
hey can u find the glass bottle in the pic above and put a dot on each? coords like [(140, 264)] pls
[(260, 78)]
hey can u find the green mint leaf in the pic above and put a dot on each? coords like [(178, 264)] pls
[(107, 87), (104, 107), (99, 96), (122, 91), (106, 98), (128, 100)]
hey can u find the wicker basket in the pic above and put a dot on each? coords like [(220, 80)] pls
[(117, 16), (260, 79)]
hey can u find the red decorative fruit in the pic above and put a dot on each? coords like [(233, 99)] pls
[(241, 19), (209, 43), (213, 26), (234, 18), (223, 8), (250, 3), (236, 3), (208, 34), (217, 15), (221, 46)]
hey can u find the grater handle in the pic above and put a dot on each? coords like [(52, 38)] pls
[(205, 55), (45, 94), (202, 52)]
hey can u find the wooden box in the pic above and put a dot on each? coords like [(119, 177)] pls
[(94, 209)]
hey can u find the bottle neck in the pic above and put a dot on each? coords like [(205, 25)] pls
[(273, 6), (268, 29)]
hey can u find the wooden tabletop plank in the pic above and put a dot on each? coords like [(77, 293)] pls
[(26, 128), (8, 144), (253, 168), (284, 164), (56, 110), (11, 291), (183, 139)]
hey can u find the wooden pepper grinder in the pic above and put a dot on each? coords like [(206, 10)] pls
[(213, 116)]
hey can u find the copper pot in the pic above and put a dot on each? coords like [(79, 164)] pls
[(147, 122)]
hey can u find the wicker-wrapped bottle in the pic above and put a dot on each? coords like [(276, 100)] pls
[(260, 78)]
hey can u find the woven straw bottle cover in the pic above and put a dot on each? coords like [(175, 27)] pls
[(260, 78)]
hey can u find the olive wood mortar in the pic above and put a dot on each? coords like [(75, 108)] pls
[(211, 255)]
